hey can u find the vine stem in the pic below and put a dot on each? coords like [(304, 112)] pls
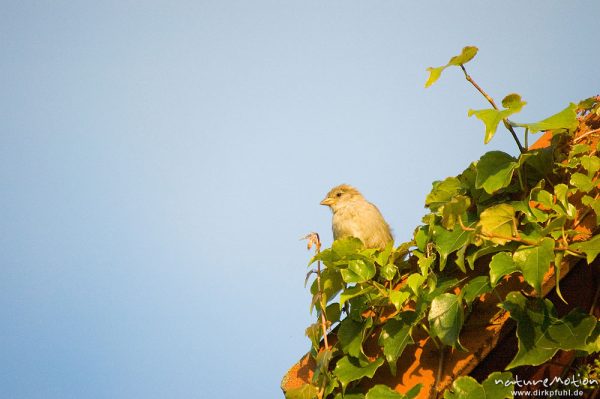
[(313, 239), (493, 103)]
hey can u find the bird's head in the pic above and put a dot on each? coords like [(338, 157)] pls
[(340, 196)]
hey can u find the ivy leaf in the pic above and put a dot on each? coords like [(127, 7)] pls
[(465, 56), (395, 336), (397, 298), (381, 391), (541, 333), (442, 192), (350, 369), (354, 292), (465, 388), (562, 194), (582, 182), (305, 391), (449, 241), (502, 264), (495, 171), (594, 204), (492, 117), (389, 271), (446, 318), (415, 282), (478, 286), (591, 163), (350, 335), (498, 222), (591, 248), (331, 283), (495, 385), (534, 262), (564, 120), (358, 271), (346, 246), (453, 211)]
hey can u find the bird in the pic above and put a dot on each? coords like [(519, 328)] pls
[(354, 216)]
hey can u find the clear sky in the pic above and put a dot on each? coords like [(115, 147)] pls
[(159, 162)]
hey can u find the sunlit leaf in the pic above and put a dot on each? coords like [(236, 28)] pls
[(476, 287), (443, 192), (350, 335), (305, 391), (454, 210), (349, 369), (591, 248), (564, 120), (446, 318), (541, 333), (395, 336), (498, 223), (534, 262), (358, 271), (465, 56), (495, 171), (502, 264), (449, 241)]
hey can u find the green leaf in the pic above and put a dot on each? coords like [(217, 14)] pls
[(495, 385), (333, 312), (582, 182), (395, 336), (413, 392), (562, 194), (453, 211), (492, 117), (495, 171), (442, 192), (358, 271), (389, 271), (350, 335), (498, 223), (415, 282), (397, 298), (465, 56), (449, 241), (502, 264), (354, 292), (534, 262), (465, 388), (476, 287), (446, 318), (331, 283), (305, 391), (591, 248), (541, 333), (594, 204), (591, 163), (565, 119), (346, 246), (434, 75), (383, 392), (350, 369)]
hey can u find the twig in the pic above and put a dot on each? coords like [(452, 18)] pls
[(491, 101), (313, 239), (585, 135)]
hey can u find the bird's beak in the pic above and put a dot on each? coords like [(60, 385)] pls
[(327, 201)]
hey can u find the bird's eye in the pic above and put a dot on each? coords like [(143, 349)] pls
[(338, 195)]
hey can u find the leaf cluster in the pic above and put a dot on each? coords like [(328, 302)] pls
[(519, 213)]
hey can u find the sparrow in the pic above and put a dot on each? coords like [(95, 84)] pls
[(354, 216)]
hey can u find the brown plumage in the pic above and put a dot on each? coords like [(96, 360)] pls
[(354, 216)]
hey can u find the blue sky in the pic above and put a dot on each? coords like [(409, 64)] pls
[(160, 160)]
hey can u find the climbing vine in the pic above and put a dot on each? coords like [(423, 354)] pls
[(521, 213)]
